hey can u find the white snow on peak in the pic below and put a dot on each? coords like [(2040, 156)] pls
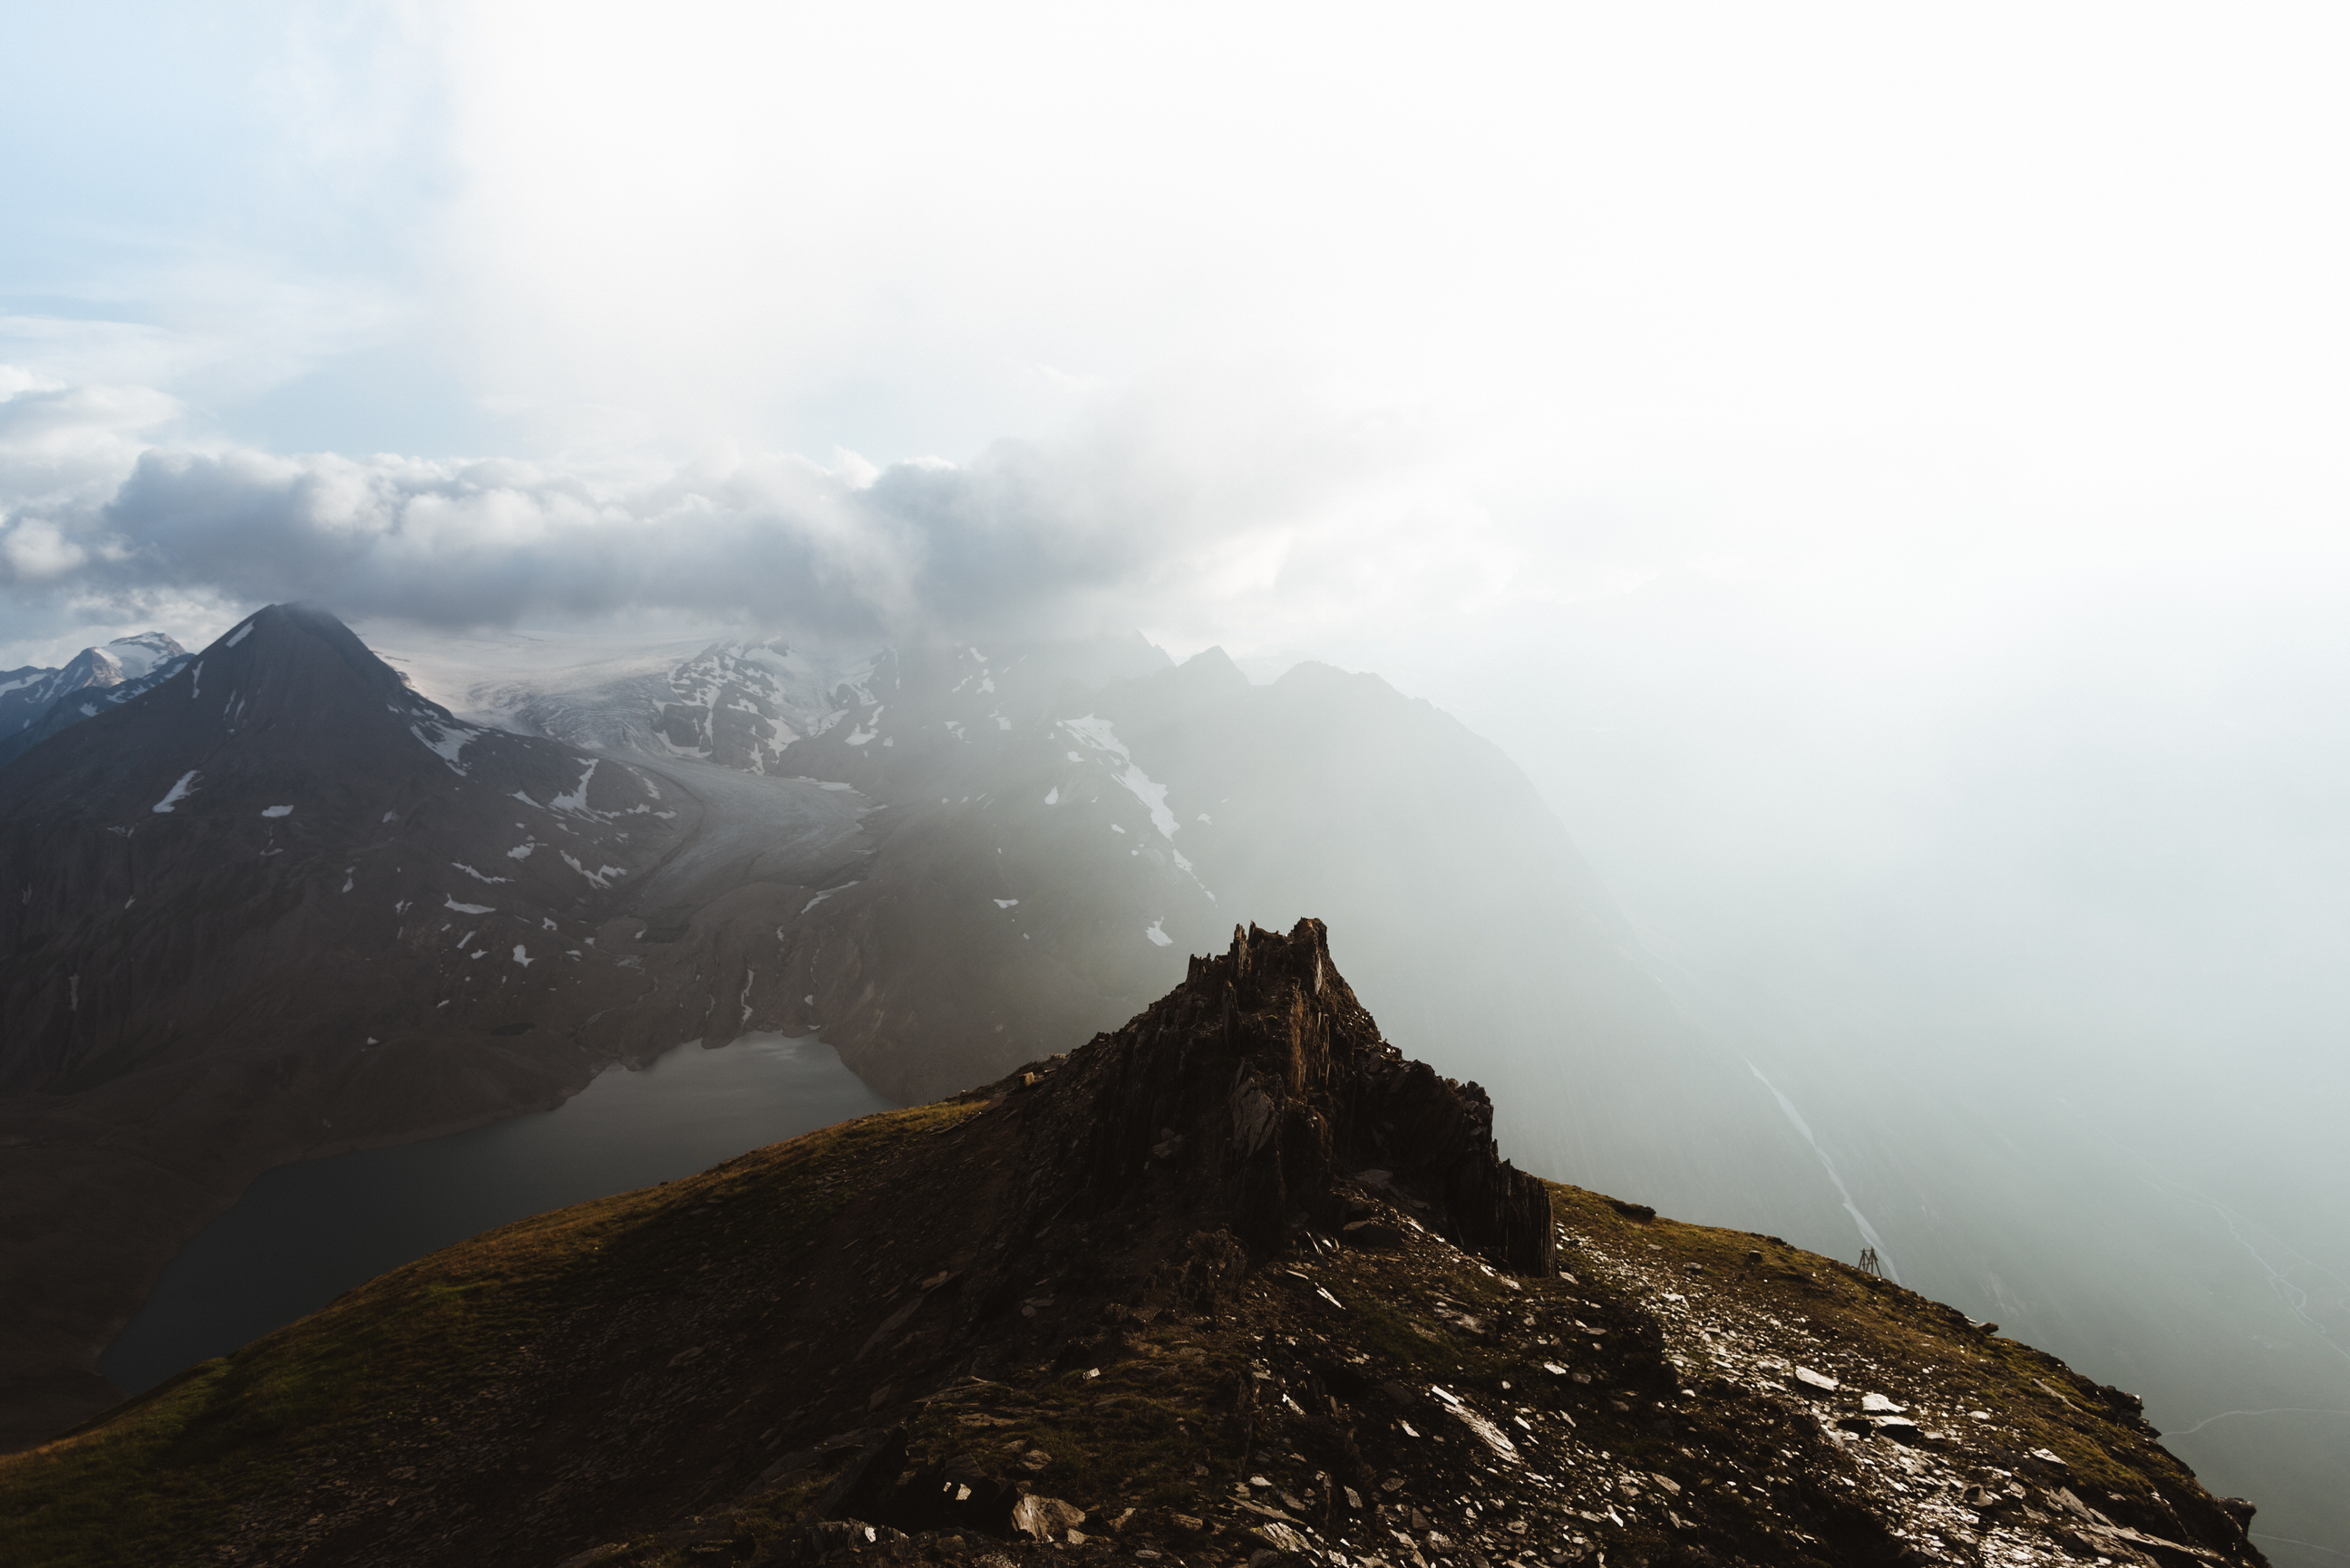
[(179, 793), (143, 654), (1007, 903), (468, 910), (276, 811), (1158, 938), (239, 635)]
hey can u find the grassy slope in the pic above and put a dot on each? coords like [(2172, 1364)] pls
[(173, 1467), (340, 1407)]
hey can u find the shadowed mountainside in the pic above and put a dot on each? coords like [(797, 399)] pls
[(277, 905)]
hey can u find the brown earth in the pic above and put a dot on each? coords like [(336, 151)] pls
[(1236, 1280)]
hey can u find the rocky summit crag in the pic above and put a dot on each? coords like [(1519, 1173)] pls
[(1236, 1284)]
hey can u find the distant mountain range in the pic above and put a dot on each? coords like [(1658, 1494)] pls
[(36, 704), (282, 902), (286, 896)]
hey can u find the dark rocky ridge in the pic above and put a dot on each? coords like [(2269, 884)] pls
[(1259, 1085), (1128, 1304)]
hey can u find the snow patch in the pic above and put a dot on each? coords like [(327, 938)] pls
[(239, 635), (522, 955), (1052, 796), (179, 793), (599, 878), (447, 743), (577, 801), (276, 811), (1099, 734), (828, 893), (476, 876), (1158, 938), (1007, 903), (468, 910)]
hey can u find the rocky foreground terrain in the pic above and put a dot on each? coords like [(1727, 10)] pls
[(1234, 1284)]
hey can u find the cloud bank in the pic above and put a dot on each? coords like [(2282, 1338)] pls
[(1123, 516)]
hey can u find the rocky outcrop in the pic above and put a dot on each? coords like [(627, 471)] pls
[(1260, 1090)]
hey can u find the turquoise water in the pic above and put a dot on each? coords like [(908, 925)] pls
[(303, 1234)]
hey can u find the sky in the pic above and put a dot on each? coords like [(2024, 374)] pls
[(1841, 451), (1880, 469), (1260, 327), (1791, 432)]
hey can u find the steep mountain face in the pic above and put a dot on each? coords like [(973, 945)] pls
[(280, 904), (160, 852), (36, 704), (1237, 1282)]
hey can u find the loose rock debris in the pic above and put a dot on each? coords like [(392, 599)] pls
[(1118, 1306)]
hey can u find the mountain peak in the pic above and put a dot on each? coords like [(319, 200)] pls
[(1275, 1086), (290, 654), (143, 652)]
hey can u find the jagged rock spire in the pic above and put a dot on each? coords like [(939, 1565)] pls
[(1257, 1095)]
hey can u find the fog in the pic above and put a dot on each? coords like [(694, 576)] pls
[(1879, 474)]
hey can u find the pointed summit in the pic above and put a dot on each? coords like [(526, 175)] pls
[(1264, 1089), (297, 664)]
